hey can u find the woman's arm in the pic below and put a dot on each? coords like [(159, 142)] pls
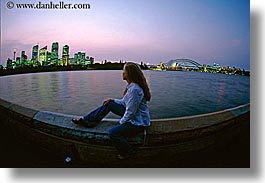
[(132, 103)]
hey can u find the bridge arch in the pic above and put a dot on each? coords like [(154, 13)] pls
[(184, 63)]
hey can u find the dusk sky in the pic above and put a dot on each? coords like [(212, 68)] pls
[(151, 31)]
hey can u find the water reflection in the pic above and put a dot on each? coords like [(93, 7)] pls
[(221, 94)]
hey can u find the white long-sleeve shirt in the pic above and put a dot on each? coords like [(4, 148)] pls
[(137, 111)]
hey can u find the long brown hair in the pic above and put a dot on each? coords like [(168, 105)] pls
[(135, 75)]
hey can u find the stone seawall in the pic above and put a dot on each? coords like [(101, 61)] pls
[(54, 132)]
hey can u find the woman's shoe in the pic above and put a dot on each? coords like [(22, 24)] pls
[(81, 122)]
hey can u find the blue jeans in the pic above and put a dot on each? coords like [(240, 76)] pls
[(118, 134), (94, 117)]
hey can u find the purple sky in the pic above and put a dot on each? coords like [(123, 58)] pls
[(151, 31)]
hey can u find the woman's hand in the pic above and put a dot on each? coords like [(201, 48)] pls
[(105, 102)]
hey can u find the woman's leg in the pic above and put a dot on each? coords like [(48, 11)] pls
[(98, 114), (119, 134)]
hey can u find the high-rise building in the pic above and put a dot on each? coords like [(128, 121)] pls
[(76, 58), (23, 58), (35, 54), (43, 56), (65, 55), (49, 58), (9, 64), (80, 58), (87, 61), (18, 64), (54, 53)]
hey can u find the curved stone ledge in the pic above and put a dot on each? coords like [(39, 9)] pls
[(170, 125), (57, 133)]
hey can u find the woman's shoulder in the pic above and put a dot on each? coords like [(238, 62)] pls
[(135, 87), (135, 90)]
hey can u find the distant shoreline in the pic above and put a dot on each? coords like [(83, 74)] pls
[(38, 70), (97, 66), (25, 70)]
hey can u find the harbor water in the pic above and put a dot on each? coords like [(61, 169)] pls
[(174, 93)]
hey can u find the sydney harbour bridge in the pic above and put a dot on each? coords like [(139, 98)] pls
[(183, 63)]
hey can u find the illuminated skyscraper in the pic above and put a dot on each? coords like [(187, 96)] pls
[(54, 53), (80, 58), (18, 64), (35, 54), (43, 55), (49, 58), (65, 56), (23, 58), (76, 58)]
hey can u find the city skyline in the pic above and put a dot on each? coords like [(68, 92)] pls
[(42, 56), (149, 31)]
